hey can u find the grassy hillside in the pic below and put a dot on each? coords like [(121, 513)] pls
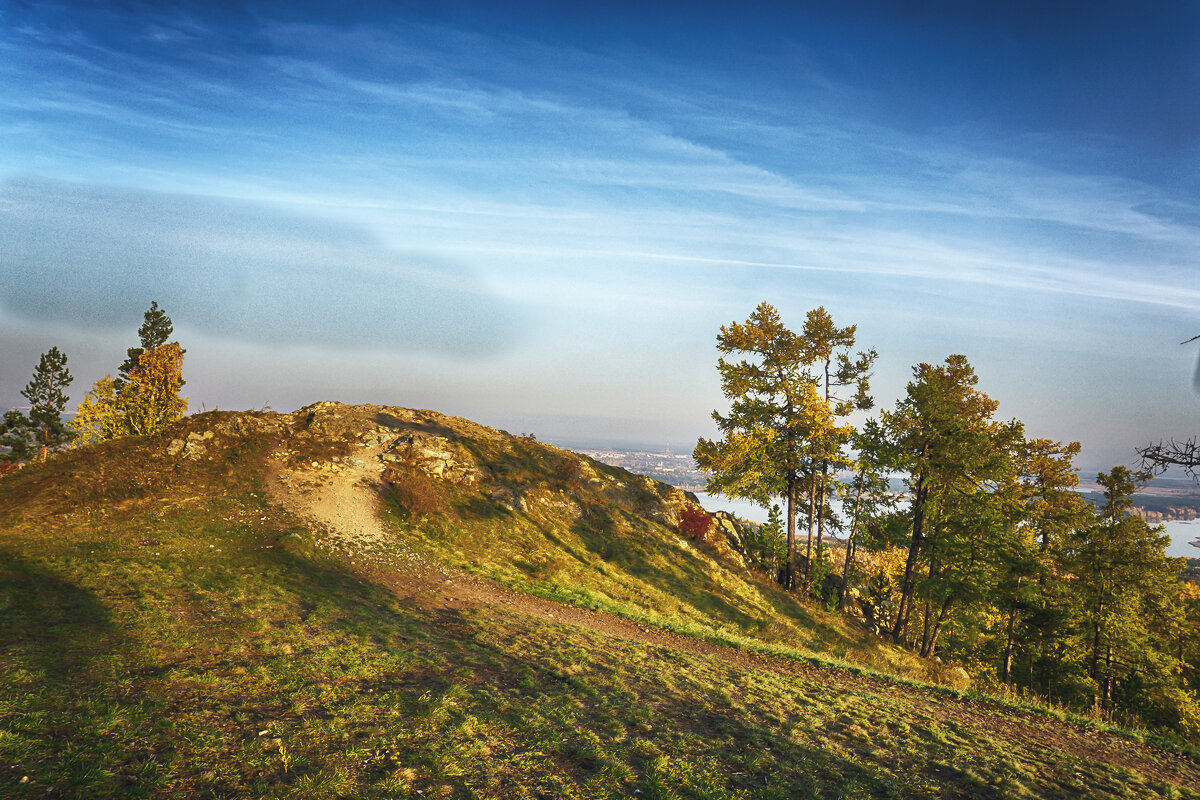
[(235, 609)]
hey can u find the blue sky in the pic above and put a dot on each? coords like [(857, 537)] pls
[(538, 215)]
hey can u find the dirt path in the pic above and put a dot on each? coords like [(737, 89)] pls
[(343, 499)]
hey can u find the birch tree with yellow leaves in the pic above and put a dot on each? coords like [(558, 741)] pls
[(144, 399)]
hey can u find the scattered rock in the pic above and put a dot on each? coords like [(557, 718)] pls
[(437, 456), (192, 446), (506, 496), (956, 677)]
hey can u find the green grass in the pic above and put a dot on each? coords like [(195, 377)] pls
[(613, 560), (166, 632)]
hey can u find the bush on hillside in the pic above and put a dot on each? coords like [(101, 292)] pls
[(695, 522), (417, 494), (568, 472)]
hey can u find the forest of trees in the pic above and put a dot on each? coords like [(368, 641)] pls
[(988, 556)]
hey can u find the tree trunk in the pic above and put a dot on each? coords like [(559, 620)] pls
[(937, 627), (910, 563), (1108, 681), (812, 495), (1006, 671), (846, 573), (822, 487), (824, 483), (790, 581), (850, 543), (927, 625), (1094, 670), (931, 624)]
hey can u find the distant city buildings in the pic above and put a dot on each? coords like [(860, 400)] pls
[(678, 469), (675, 469)]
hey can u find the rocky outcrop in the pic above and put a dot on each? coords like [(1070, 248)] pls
[(393, 445), (193, 447), (437, 456)]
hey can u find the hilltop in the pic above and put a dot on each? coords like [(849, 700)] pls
[(370, 601)]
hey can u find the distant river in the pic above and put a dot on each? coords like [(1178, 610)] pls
[(1181, 533), (741, 508)]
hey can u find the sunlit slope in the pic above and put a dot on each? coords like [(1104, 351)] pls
[(563, 526), (172, 625), (509, 508)]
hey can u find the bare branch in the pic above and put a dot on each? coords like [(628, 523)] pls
[(1159, 457)]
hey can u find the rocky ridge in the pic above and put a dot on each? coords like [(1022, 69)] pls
[(373, 447)]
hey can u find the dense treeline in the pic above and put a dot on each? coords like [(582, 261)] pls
[(990, 556)]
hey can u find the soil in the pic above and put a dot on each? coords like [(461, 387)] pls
[(343, 499)]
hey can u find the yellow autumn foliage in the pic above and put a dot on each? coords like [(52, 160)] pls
[(99, 416), (147, 403), (1189, 593), (150, 399)]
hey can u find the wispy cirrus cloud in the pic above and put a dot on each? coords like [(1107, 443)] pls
[(90, 256), (568, 182)]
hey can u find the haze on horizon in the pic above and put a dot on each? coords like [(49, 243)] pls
[(539, 216)]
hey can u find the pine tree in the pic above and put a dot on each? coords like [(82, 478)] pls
[(1051, 510), (867, 497), (775, 409), (827, 352), (154, 332), (786, 426), (1124, 584), (943, 436), (765, 544), (16, 434), (43, 427)]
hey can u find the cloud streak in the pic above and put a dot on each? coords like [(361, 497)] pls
[(572, 179), (91, 256)]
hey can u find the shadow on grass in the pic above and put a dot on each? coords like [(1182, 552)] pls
[(492, 667), (550, 697), (50, 626), (515, 679)]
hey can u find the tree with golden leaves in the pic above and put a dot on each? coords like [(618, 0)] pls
[(144, 397), (99, 416), (784, 429), (761, 453), (150, 399), (146, 402)]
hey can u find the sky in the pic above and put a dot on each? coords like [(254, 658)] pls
[(538, 215)]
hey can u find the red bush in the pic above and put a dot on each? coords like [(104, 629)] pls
[(416, 493), (695, 522)]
